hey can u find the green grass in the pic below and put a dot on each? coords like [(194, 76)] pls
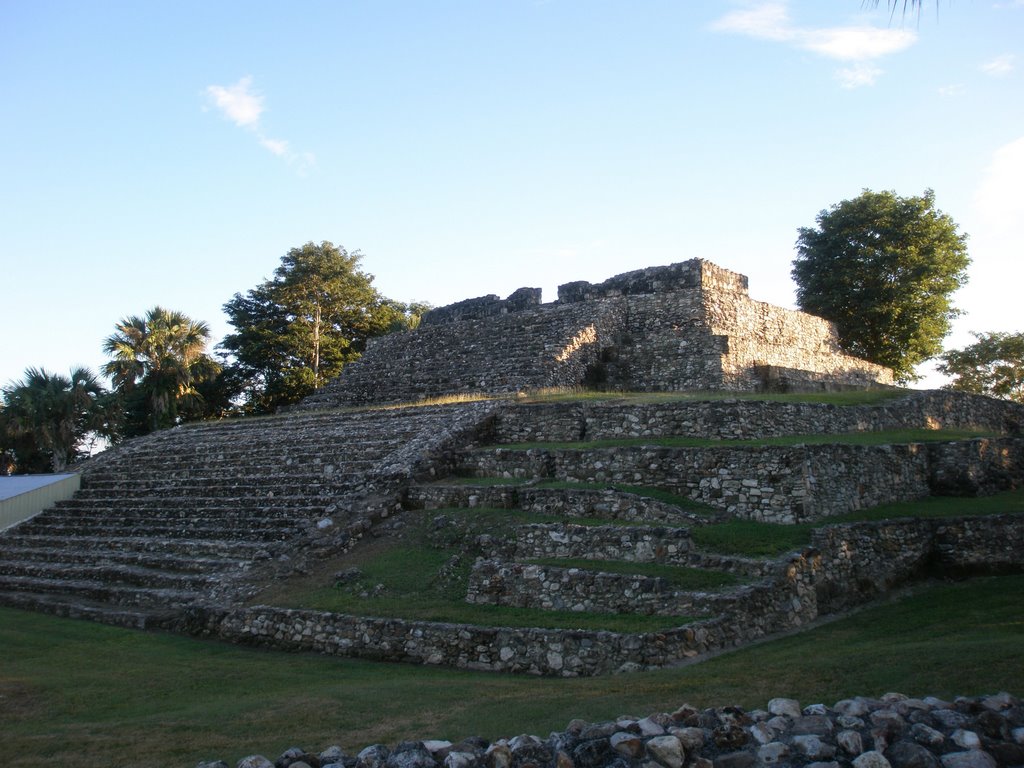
[(678, 577), (887, 437), (402, 579), (90, 695)]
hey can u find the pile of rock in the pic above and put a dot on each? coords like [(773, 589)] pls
[(894, 731)]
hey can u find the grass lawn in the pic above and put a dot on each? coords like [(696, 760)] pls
[(400, 578), (84, 694)]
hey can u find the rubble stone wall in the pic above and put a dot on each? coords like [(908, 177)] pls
[(686, 326), (777, 484), (846, 565), (732, 419)]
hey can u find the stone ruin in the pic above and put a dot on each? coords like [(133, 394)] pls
[(689, 326), (182, 529)]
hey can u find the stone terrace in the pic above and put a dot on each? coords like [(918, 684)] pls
[(191, 514)]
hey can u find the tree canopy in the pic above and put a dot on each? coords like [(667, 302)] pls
[(297, 330), (47, 419), (993, 365), (158, 361), (883, 268)]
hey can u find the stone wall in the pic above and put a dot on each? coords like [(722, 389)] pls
[(607, 504), (686, 326), (846, 565), (552, 588), (778, 484), (750, 419)]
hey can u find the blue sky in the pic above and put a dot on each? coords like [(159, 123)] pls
[(171, 152)]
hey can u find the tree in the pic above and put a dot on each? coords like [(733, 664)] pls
[(883, 268), (993, 365), (47, 419), (296, 331), (158, 360)]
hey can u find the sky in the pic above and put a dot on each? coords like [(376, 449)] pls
[(171, 152)]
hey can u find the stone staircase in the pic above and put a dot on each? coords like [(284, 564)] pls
[(203, 513)]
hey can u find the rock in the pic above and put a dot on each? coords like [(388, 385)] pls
[(871, 759), (815, 709), (596, 753), (974, 758), (849, 721), (411, 754), (830, 764), (772, 753), (949, 719), (907, 754), (461, 760), (692, 739), (373, 756), (816, 725), (650, 726), (999, 702), (890, 721), (254, 761), (851, 707), (498, 755), (762, 734), (294, 756), (926, 735), (667, 751), (435, 746), (333, 754), (214, 764), (813, 747), (735, 760), (993, 725), (730, 736), (1018, 735), (627, 744), (787, 707), (966, 739), (850, 742), (1006, 753)]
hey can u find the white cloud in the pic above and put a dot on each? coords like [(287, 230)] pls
[(244, 107), (769, 20), (857, 43), (1000, 65), (997, 200), (240, 105), (858, 75), (951, 90), (278, 146)]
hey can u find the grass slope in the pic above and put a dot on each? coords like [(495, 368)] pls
[(85, 694)]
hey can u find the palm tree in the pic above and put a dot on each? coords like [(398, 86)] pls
[(157, 361), (46, 418)]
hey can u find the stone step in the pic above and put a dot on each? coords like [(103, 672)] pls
[(73, 589), (128, 510), (134, 618), (95, 554), (235, 530), (209, 547), (129, 575), (270, 480), (107, 489)]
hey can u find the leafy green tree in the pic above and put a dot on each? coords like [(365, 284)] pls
[(883, 269), (158, 361), (993, 365), (47, 419), (296, 331)]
